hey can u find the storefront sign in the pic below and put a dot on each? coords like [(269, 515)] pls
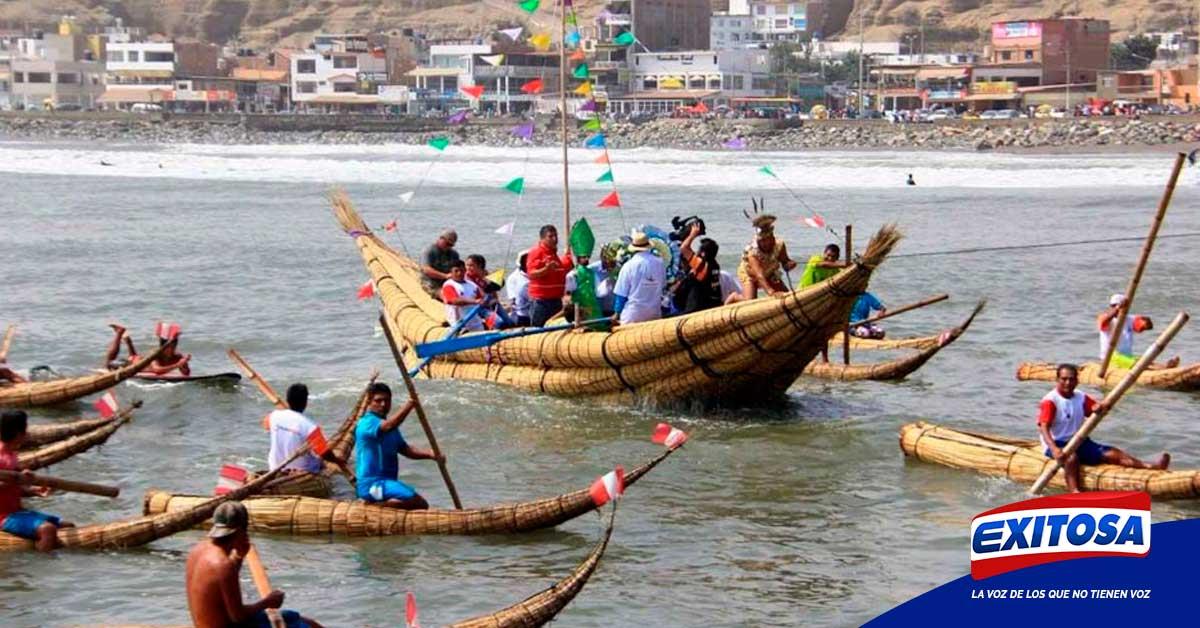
[(1011, 30), (995, 88)]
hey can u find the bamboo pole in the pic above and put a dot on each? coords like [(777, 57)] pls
[(562, 101), (412, 395), (8, 336), (846, 332), (59, 483), (900, 310), (258, 573), (1141, 264), (1111, 400)]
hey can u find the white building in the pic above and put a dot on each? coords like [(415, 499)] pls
[(450, 67), (751, 23), (338, 78), (662, 82)]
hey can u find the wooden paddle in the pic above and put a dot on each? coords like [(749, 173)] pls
[(8, 336), (900, 310), (412, 394), (258, 573), (849, 259), (1111, 400), (274, 398), (1148, 246), (59, 483)]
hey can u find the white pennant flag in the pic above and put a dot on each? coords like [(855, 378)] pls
[(513, 33), (506, 229), (493, 59), (407, 197)]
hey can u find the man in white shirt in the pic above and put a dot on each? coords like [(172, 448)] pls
[(516, 288), (290, 431), (640, 284)]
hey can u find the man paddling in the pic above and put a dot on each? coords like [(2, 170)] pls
[(213, 590), (377, 442), (290, 430), (38, 527), (1062, 413), (1123, 357), (168, 361)]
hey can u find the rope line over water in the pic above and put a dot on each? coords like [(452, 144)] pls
[(1045, 245)]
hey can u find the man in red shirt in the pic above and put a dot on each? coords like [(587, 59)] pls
[(38, 527), (547, 276)]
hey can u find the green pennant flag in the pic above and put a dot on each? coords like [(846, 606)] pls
[(624, 39), (582, 240), (516, 186), (440, 142), (592, 125), (767, 171), (581, 71), (529, 6), (606, 177), (571, 19)]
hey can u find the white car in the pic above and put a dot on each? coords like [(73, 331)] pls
[(144, 107), (943, 114)]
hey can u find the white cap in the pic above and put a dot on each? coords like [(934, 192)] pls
[(1116, 299)]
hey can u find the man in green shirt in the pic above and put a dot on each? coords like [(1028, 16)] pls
[(822, 267)]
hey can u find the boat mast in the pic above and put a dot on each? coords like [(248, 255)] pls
[(562, 103)]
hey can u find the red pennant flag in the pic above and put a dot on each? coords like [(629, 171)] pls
[(578, 55), (612, 200), (815, 221), (474, 91), (608, 487), (107, 405), (232, 477), (533, 87), (666, 435), (410, 611), (391, 226), (367, 290), (316, 439), (166, 331), (602, 159)]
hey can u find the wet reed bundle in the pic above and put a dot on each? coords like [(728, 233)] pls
[(1023, 461), (38, 435), (741, 353), (296, 483), (306, 516), (61, 450), (919, 343), (1184, 378), (33, 394)]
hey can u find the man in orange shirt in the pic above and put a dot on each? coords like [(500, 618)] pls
[(547, 272)]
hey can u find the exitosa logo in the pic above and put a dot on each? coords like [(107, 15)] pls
[(1063, 527)]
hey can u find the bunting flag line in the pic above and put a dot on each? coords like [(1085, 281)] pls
[(578, 55), (668, 436), (608, 487), (533, 87), (767, 171), (410, 607), (595, 141), (513, 33), (107, 405), (231, 477), (407, 197), (492, 59), (367, 290), (530, 6), (474, 91), (391, 226), (458, 118), (506, 229), (607, 176), (736, 143), (815, 221), (440, 142), (572, 39), (588, 105), (585, 89), (602, 159), (316, 439), (612, 200), (580, 71), (571, 19), (516, 186), (524, 131), (540, 41), (592, 125), (624, 39)]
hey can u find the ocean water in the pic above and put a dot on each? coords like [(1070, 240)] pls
[(803, 512)]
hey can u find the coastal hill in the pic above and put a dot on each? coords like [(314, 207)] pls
[(948, 23)]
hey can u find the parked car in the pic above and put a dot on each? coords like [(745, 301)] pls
[(67, 107), (943, 114), (145, 107)]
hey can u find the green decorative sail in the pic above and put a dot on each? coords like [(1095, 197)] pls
[(582, 240), (585, 294)]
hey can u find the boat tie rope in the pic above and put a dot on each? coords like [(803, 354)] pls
[(1044, 245)]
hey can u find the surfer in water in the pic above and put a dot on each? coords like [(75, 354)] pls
[(168, 361), (910, 180)]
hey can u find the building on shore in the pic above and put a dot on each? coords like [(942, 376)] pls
[(762, 23), (664, 82), (343, 73), (669, 25), (56, 70), (1155, 86), (437, 84)]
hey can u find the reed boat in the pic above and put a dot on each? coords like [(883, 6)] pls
[(58, 451), (1185, 378), (34, 394), (920, 343), (308, 516), (744, 353), (139, 530), (892, 369), (1023, 461), (46, 433), (304, 484)]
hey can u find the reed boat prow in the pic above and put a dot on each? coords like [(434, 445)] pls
[(34, 394), (741, 353), (1182, 378), (60, 450)]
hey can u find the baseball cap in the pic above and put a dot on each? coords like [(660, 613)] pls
[(1116, 299), (230, 517)]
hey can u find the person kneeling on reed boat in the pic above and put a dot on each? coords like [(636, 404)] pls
[(38, 527), (1062, 413), (290, 430), (213, 590), (764, 261), (1123, 357), (377, 442), (863, 307), (166, 362)]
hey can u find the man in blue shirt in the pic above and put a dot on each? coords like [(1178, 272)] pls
[(377, 442), (863, 307)]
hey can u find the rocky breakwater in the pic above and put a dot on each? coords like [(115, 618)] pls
[(1081, 134)]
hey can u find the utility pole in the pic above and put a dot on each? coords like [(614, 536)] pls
[(861, 39), (1068, 78)]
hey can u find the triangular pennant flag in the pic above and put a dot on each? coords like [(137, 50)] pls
[(664, 434), (525, 131), (595, 141), (533, 87), (588, 105), (606, 177), (410, 611), (440, 142), (612, 200), (540, 41), (578, 55), (571, 19), (367, 290), (316, 439), (572, 39), (497, 277), (458, 118), (516, 186), (602, 159), (474, 91), (582, 240), (492, 59), (608, 487), (767, 171), (166, 331), (530, 6), (736, 143), (506, 229), (513, 33), (230, 478), (624, 39), (815, 221), (391, 226), (580, 71), (407, 197), (107, 405), (592, 125), (585, 89)]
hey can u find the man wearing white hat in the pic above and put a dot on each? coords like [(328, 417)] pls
[(1124, 357), (640, 284)]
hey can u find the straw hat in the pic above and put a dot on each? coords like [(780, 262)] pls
[(641, 242)]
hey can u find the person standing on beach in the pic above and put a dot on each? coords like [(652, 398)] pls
[(435, 263)]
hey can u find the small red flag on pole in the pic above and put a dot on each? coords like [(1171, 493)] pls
[(474, 91), (367, 290), (533, 87), (107, 405), (612, 200)]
